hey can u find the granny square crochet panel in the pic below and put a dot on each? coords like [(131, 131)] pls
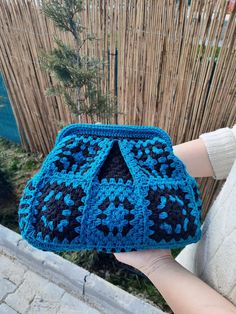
[(112, 188)]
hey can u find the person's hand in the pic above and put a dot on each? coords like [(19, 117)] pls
[(145, 260)]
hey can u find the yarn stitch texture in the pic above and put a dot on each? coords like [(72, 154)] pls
[(112, 188)]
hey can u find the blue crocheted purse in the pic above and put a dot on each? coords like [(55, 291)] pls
[(111, 188)]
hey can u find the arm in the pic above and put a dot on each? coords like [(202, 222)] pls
[(212, 155), (186, 293), (183, 291), (195, 157)]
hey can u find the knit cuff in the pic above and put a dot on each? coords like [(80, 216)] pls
[(221, 148)]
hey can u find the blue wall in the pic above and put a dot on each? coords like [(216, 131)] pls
[(8, 126)]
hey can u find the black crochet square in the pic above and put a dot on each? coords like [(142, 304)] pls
[(115, 166), (170, 208), (64, 205), (75, 155), (157, 153)]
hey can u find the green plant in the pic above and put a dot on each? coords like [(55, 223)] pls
[(6, 188), (8, 214), (78, 77), (16, 167)]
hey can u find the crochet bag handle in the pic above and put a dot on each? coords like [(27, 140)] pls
[(126, 131)]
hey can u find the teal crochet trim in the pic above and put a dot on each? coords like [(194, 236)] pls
[(111, 188)]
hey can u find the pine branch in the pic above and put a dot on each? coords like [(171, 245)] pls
[(73, 71)]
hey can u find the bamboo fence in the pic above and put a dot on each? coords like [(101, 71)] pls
[(176, 67)]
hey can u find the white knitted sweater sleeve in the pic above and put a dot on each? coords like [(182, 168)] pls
[(221, 148)]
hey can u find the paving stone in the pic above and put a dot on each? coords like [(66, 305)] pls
[(5, 309), (21, 298), (6, 287), (41, 305), (17, 302), (12, 269)]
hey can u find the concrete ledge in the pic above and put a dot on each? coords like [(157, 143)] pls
[(94, 290)]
